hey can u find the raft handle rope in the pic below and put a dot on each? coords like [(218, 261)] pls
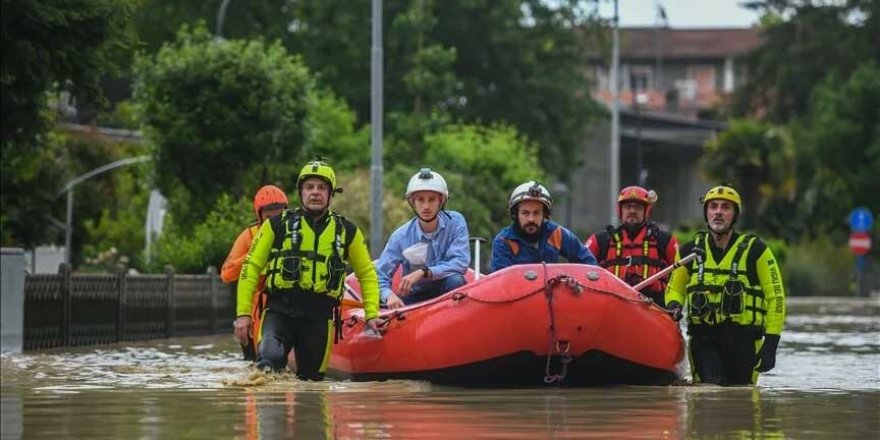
[(562, 347), (576, 287)]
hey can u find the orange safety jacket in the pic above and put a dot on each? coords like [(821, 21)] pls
[(232, 269)]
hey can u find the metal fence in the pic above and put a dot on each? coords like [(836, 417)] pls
[(75, 309)]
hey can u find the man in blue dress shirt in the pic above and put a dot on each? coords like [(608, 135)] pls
[(432, 247)]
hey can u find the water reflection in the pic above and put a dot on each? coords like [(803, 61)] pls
[(451, 413), (311, 413)]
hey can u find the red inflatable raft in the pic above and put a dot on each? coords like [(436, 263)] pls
[(565, 324)]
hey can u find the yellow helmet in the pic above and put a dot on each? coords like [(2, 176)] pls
[(318, 168), (722, 192)]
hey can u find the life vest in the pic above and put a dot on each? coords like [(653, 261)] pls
[(554, 241), (720, 291), (300, 261), (636, 259)]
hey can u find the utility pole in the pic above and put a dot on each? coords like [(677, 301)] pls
[(376, 105), (614, 184)]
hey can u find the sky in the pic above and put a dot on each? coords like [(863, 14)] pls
[(681, 13)]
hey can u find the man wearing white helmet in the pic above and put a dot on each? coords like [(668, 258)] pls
[(533, 238), (432, 247)]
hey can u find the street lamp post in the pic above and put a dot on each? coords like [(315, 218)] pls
[(614, 184), (221, 17), (639, 99), (376, 105), (68, 188)]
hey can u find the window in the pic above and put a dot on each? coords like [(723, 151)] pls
[(641, 78)]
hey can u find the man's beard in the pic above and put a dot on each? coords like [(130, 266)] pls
[(632, 229), (533, 237), (315, 213), (726, 229)]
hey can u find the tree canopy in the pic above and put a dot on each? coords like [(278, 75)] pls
[(48, 46), (803, 42), (223, 116), (518, 62)]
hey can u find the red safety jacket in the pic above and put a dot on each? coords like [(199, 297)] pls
[(634, 259)]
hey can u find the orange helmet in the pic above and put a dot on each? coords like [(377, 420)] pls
[(637, 194), (269, 197)]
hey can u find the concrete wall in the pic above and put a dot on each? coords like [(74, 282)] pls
[(671, 156), (44, 259), (12, 272)]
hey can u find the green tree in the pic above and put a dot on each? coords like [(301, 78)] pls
[(157, 21), (511, 61), (49, 45), (482, 165), (30, 185), (223, 116), (803, 42), (759, 159), (523, 63), (842, 139), (331, 132), (519, 62)]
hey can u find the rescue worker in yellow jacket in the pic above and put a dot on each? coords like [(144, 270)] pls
[(733, 294), (303, 252)]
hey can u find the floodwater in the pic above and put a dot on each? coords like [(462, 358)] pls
[(826, 385)]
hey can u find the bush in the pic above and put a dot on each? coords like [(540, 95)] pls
[(206, 244), (116, 238), (123, 115), (818, 268)]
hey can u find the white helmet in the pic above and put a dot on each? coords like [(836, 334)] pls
[(530, 190), (427, 180)]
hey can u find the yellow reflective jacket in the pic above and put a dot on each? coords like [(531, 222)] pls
[(700, 285), (297, 261)]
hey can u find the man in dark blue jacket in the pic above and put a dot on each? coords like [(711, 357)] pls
[(532, 237)]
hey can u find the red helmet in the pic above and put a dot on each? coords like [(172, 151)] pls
[(269, 197), (637, 194)]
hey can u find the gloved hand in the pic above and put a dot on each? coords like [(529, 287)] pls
[(766, 358), (674, 309)]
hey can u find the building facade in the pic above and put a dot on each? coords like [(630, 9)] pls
[(671, 80)]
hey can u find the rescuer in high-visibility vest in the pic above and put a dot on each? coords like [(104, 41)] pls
[(303, 254), (733, 296)]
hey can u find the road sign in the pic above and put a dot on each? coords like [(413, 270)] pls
[(860, 243), (861, 220)]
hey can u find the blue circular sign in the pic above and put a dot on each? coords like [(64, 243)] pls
[(861, 220)]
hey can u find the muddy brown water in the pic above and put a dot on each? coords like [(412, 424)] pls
[(826, 385)]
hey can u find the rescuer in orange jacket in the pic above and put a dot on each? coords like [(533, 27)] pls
[(268, 202)]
